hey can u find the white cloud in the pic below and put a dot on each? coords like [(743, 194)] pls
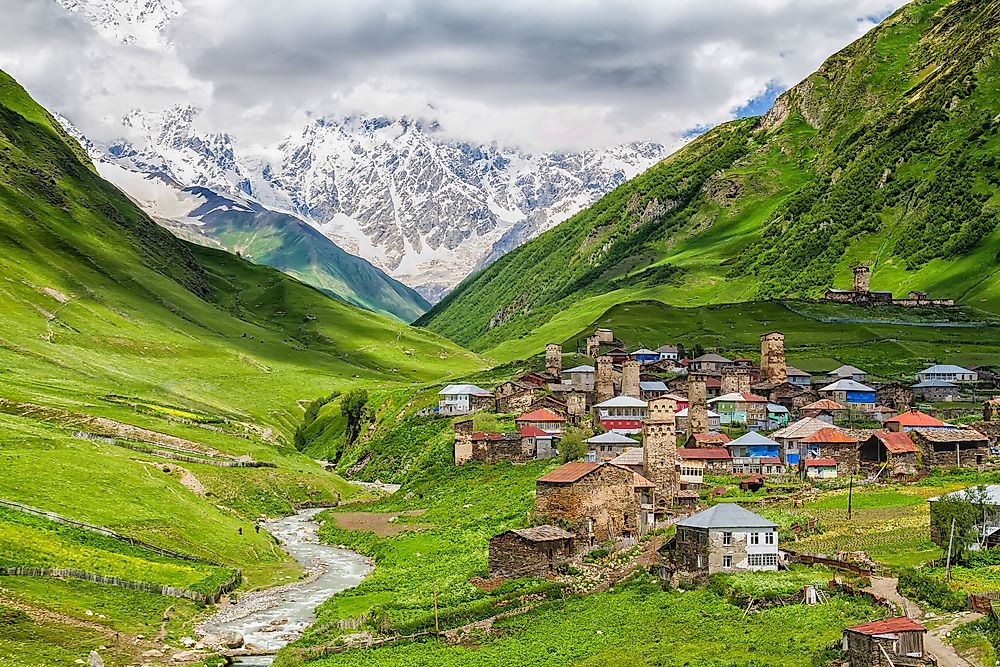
[(559, 74)]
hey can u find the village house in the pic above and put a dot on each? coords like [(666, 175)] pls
[(618, 356), (495, 447), (951, 448), (515, 396), (753, 444), (709, 363), (832, 444), (624, 414), (777, 416), (723, 538), (820, 468), (766, 466), (791, 396), (716, 460), (543, 419), (596, 500), (462, 399), (645, 356), (529, 552), (741, 408), (825, 410), (797, 376), (538, 443), (894, 450), (936, 390), (911, 419), (581, 378), (681, 421), (692, 472), (707, 440), (848, 373), (667, 352), (609, 445), (893, 642), (896, 395), (850, 393), (652, 388), (947, 372), (791, 436), (631, 458)]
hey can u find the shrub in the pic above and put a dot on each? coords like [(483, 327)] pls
[(932, 590)]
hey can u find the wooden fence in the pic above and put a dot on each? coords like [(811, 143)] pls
[(170, 591), (52, 516)]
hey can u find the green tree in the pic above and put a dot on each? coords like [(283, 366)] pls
[(354, 409), (571, 447), (968, 509)]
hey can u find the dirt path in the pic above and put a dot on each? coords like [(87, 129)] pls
[(947, 656)]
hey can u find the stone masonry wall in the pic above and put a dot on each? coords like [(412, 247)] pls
[(606, 496), (553, 359)]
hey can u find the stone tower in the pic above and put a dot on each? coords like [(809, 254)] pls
[(659, 450), (862, 278), (593, 346), (553, 359), (730, 380), (605, 336), (743, 379), (772, 357), (576, 406), (605, 379), (630, 379), (463, 441), (697, 405)]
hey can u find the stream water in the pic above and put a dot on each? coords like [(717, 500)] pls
[(271, 619)]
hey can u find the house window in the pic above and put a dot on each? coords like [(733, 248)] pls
[(769, 538), (727, 561), (727, 539), (701, 561), (754, 538), (762, 560)]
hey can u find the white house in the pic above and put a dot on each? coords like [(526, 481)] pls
[(948, 373), (624, 414), (724, 538), (667, 352), (580, 377), (461, 399)]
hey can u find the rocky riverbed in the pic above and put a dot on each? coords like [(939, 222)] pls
[(265, 621)]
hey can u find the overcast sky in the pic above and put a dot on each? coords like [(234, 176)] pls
[(555, 74)]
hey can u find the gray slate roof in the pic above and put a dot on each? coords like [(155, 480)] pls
[(945, 369), (579, 369), (543, 533), (611, 438), (726, 515), (752, 438), (935, 383)]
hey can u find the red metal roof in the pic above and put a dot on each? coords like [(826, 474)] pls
[(531, 432), (820, 463), (569, 472), (896, 442), (752, 398), (888, 626), (830, 436), (540, 415), (824, 404), (915, 418), (710, 438), (704, 453)]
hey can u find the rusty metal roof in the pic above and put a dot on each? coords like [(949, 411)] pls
[(888, 626), (569, 472)]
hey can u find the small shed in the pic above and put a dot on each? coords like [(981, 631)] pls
[(951, 448), (821, 468), (529, 552), (892, 449), (894, 641)]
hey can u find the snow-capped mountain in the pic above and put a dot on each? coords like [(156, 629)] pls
[(398, 192)]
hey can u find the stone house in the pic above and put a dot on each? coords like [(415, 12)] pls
[(947, 372), (716, 460), (529, 552), (951, 448), (515, 396), (825, 410), (495, 447), (848, 373), (894, 450), (544, 419), (609, 445), (707, 440), (896, 395), (462, 399), (797, 377), (631, 458), (723, 538), (911, 419), (537, 443), (710, 362), (652, 389), (581, 378), (893, 642), (833, 443), (790, 437), (597, 501), (936, 390)]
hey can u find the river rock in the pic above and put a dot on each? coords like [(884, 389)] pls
[(186, 656), (230, 639), (152, 653), (188, 642)]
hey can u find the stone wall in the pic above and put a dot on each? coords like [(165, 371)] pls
[(605, 379), (512, 397), (576, 406), (895, 395), (601, 505), (689, 544), (593, 346), (515, 557), (553, 359), (630, 379), (845, 454), (773, 367), (730, 380), (463, 441), (510, 447)]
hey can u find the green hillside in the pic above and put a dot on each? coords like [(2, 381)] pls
[(887, 154), (289, 244), (212, 354)]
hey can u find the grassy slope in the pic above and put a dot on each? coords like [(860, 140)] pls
[(286, 243), (783, 206), (96, 299)]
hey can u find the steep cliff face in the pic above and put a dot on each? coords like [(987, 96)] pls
[(886, 155)]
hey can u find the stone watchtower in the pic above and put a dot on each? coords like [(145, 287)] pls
[(772, 357), (862, 278), (659, 450), (553, 359), (697, 405), (576, 405), (463, 441), (604, 383), (630, 379), (593, 346), (730, 380)]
